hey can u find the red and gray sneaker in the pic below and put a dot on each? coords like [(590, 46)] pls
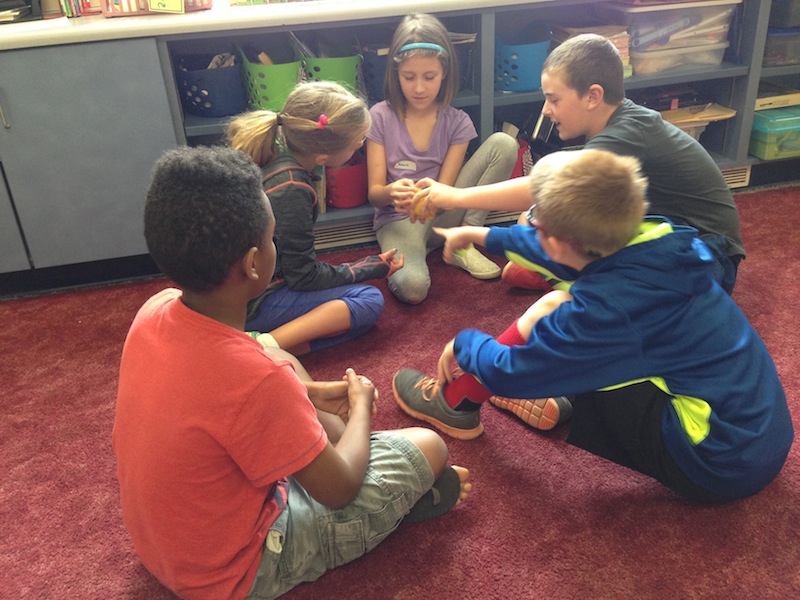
[(421, 397)]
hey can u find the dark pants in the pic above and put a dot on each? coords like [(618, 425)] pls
[(725, 267), (624, 426)]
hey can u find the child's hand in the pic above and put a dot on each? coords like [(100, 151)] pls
[(401, 193), (446, 361), (457, 238), (360, 391), (454, 239), (421, 210), (439, 196), (394, 260), (330, 397)]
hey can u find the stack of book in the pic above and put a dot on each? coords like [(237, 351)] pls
[(78, 8), (617, 34)]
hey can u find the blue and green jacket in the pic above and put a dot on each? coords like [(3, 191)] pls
[(650, 311)]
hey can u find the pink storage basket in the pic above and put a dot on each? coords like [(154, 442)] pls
[(346, 186)]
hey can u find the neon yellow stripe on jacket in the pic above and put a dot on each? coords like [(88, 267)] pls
[(693, 413)]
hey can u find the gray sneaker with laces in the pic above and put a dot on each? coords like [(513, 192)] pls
[(421, 397)]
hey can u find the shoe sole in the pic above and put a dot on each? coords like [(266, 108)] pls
[(483, 276), (455, 432), (542, 414)]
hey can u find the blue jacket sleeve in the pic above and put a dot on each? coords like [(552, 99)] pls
[(570, 351), (520, 244)]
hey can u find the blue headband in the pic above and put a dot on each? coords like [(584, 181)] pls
[(422, 46)]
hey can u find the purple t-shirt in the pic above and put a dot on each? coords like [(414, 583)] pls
[(453, 126)]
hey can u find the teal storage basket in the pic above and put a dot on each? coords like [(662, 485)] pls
[(518, 65)]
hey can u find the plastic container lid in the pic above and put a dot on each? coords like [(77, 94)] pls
[(777, 119), (783, 31), (629, 9)]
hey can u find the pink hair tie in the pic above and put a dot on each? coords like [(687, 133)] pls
[(323, 120)]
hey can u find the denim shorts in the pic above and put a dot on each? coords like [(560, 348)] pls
[(308, 538)]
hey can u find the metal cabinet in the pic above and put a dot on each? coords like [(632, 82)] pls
[(84, 124)]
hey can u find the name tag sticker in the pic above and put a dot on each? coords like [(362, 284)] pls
[(406, 165)]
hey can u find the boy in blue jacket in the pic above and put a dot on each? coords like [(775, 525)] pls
[(665, 374)]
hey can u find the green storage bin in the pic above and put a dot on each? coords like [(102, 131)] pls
[(776, 133), (268, 86), (342, 70)]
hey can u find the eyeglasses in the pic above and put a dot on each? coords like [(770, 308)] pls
[(530, 216)]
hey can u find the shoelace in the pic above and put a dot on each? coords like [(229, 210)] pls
[(429, 387)]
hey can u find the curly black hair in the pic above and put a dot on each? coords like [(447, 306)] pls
[(205, 209)]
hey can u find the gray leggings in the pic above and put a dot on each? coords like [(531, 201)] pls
[(493, 161)]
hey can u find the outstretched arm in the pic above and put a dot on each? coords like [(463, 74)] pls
[(512, 195), (456, 238), (543, 306)]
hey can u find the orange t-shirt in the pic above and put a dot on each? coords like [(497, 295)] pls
[(207, 425)]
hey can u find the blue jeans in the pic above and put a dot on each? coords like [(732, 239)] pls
[(308, 538), (283, 305)]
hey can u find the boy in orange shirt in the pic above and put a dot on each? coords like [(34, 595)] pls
[(238, 474)]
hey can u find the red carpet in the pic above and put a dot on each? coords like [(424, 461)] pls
[(545, 520)]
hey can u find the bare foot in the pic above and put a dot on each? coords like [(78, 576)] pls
[(466, 485), (441, 498)]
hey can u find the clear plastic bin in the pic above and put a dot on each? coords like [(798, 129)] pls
[(785, 13), (674, 25), (782, 47), (656, 61)]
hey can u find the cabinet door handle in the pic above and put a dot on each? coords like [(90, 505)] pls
[(6, 124)]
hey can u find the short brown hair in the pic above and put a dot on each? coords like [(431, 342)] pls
[(593, 198), (586, 60)]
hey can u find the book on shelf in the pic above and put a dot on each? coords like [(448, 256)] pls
[(13, 10), (773, 95), (709, 112)]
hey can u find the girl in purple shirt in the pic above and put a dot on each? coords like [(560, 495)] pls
[(416, 133)]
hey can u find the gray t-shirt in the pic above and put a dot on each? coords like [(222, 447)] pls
[(685, 184)]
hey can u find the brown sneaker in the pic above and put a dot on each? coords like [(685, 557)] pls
[(543, 414)]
